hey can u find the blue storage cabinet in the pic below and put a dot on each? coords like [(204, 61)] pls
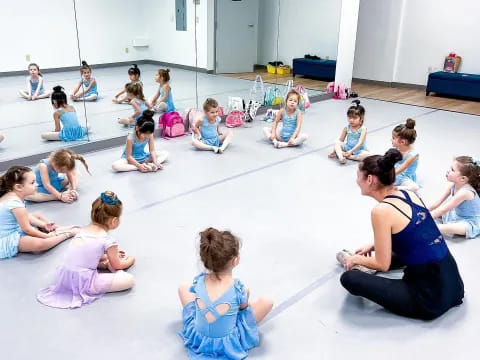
[(321, 69), (456, 84)]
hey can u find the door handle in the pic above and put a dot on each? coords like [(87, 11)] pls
[(251, 25)]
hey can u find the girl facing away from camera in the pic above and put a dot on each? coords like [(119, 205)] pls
[(219, 321)]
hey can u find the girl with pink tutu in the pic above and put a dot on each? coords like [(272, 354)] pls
[(78, 281), (218, 320)]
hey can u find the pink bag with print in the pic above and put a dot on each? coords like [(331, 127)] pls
[(191, 117), (235, 118), (341, 93), (172, 124)]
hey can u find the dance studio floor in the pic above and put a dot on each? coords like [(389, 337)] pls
[(293, 209), (23, 121)]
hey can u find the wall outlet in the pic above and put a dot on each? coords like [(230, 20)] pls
[(27, 57), (126, 50)]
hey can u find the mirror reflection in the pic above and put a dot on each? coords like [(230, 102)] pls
[(107, 74)]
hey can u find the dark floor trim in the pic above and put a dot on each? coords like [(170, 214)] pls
[(83, 148), (108, 65), (390, 84)]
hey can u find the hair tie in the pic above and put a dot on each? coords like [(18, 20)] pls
[(108, 199)]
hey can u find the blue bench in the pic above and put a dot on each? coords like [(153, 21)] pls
[(321, 69), (459, 84)]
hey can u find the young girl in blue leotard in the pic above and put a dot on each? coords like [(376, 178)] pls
[(137, 100), (87, 88), (67, 126), (403, 137), (57, 178), (34, 89), (207, 135), (459, 206), (21, 231), (134, 156), (352, 142), (162, 101), (288, 133), (219, 321)]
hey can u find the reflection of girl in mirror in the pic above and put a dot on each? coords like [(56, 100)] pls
[(34, 89), (288, 134), (162, 101), (134, 75), (56, 177), (137, 100), (219, 319), (352, 142), (403, 137), (19, 230), (2, 138), (134, 156), (78, 281), (70, 129), (206, 132), (87, 88)]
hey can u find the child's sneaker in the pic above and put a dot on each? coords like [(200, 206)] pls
[(216, 149), (341, 255)]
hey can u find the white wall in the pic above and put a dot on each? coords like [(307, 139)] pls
[(106, 29), (377, 33), (306, 27), (426, 31), (51, 39), (178, 47)]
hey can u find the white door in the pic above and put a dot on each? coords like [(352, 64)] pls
[(236, 35)]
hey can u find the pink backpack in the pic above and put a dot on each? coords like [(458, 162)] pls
[(171, 124), (191, 117), (330, 87), (341, 93), (235, 118)]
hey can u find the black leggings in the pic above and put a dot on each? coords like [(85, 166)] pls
[(393, 295)]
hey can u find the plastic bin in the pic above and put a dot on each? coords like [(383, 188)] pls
[(271, 69), (283, 69)]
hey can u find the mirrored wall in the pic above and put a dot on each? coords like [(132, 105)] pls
[(211, 48)]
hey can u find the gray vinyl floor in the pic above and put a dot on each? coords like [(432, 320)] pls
[(22, 122), (293, 209)]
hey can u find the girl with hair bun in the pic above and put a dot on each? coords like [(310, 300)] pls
[(87, 87), (134, 156), (21, 231), (218, 319), (405, 234), (162, 101), (78, 281), (352, 143), (459, 206), (134, 76), (403, 136), (67, 126)]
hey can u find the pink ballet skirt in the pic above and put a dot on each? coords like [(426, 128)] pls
[(78, 282)]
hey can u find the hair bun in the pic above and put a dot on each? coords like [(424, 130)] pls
[(109, 198), (356, 102), (167, 70), (388, 161), (84, 63), (134, 66), (148, 114), (58, 88), (410, 124)]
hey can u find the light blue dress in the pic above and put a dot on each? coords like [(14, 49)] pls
[(10, 231), (34, 86), (410, 172), (352, 139), (169, 100), (71, 128), (56, 179), (138, 148), (289, 125), (230, 336), (142, 107), (467, 212), (92, 91), (209, 132)]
